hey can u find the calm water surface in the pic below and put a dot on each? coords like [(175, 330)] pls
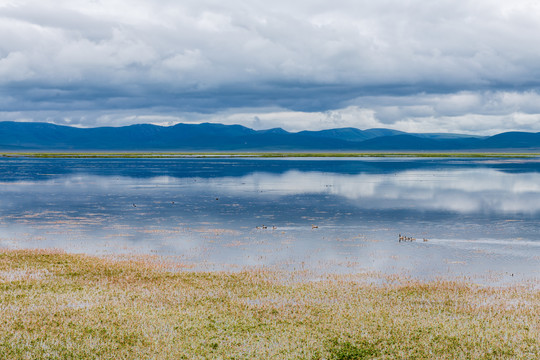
[(481, 217)]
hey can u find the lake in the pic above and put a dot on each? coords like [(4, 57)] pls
[(480, 217)]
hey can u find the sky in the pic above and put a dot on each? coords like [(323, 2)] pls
[(420, 66)]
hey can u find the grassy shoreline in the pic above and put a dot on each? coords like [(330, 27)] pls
[(157, 155), (61, 306)]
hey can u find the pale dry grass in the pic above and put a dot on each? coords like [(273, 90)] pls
[(60, 306)]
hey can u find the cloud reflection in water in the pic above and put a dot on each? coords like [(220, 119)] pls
[(214, 218)]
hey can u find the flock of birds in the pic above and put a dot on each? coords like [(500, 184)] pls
[(264, 227), (408, 238)]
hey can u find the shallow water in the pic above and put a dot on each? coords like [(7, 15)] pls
[(480, 216)]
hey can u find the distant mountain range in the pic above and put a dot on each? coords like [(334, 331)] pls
[(218, 137)]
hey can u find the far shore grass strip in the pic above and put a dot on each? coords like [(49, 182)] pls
[(55, 305), (151, 155)]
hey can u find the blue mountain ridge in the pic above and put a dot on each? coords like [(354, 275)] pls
[(218, 137)]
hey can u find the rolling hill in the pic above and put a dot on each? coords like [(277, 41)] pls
[(29, 136)]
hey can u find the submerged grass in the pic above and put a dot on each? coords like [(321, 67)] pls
[(63, 306)]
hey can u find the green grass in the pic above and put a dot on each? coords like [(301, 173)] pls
[(61, 306), (265, 155)]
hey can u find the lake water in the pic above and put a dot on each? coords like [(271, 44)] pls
[(481, 217)]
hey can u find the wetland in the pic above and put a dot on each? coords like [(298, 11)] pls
[(293, 258)]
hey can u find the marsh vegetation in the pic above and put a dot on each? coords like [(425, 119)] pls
[(63, 306)]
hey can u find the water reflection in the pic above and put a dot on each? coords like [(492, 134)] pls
[(479, 216)]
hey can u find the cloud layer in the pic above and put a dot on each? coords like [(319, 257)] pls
[(468, 66)]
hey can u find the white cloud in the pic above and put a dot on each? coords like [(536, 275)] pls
[(372, 42)]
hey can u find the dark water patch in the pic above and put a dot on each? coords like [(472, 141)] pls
[(17, 169)]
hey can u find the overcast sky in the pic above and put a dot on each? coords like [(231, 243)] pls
[(416, 65)]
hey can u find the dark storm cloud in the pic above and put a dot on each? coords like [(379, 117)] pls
[(410, 65)]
